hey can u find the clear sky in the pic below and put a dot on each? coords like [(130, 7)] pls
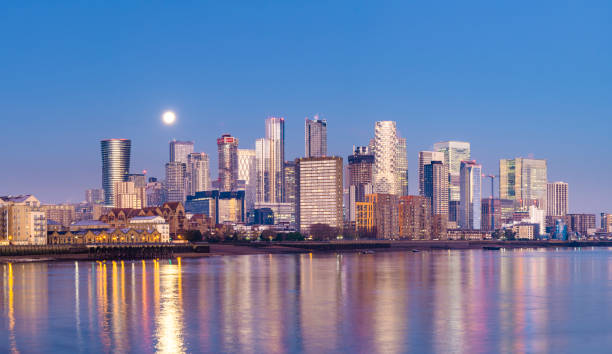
[(514, 78)]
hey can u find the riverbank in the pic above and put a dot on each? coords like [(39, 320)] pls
[(229, 249)]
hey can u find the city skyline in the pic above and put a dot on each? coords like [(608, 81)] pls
[(460, 85)]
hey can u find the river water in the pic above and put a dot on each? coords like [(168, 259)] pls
[(471, 301)]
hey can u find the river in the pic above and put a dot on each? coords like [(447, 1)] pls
[(471, 301)]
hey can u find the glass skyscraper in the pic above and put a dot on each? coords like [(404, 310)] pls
[(523, 181), (454, 153), (315, 137), (115, 165), (471, 195)]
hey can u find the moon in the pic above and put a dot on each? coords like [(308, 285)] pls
[(169, 117)]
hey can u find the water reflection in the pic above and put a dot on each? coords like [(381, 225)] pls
[(442, 301)]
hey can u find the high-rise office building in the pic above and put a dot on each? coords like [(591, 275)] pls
[(198, 173), (180, 150), (523, 180), (471, 195), (386, 170), (115, 165), (557, 201), (454, 153), (402, 166), (435, 186), (315, 137), (247, 176), (262, 163), (175, 181), (227, 146), (425, 158), (319, 192), (360, 169), (275, 134), (270, 164)]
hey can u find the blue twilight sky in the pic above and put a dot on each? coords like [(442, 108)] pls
[(514, 78)]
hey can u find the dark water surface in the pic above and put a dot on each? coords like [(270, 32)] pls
[(441, 301)]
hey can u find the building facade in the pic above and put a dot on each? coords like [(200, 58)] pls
[(227, 146), (180, 150), (22, 222), (319, 192), (247, 176), (524, 181), (557, 199), (127, 195), (454, 152), (115, 165), (471, 195), (175, 181), (435, 186), (425, 158), (386, 169), (415, 218), (198, 172), (315, 137)]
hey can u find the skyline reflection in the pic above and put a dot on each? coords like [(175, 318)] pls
[(439, 301)]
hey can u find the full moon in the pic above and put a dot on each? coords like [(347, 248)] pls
[(169, 117)]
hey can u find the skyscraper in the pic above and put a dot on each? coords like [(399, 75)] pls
[(198, 173), (319, 192), (386, 171), (262, 163), (128, 195), (402, 165), (175, 181), (454, 153), (275, 134), (425, 158), (523, 180), (435, 186), (315, 137), (228, 162), (557, 203), (471, 195), (360, 169), (291, 187), (180, 150), (247, 175), (115, 165)]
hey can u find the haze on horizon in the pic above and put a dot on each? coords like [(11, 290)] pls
[(515, 79)]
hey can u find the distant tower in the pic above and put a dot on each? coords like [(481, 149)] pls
[(557, 199), (198, 171), (360, 169), (402, 165), (471, 195), (180, 150), (115, 165), (425, 158), (454, 153), (175, 181), (523, 180), (275, 169), (435, 186), (227, 146), (315, 137), (247, 175), (386, 171)]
